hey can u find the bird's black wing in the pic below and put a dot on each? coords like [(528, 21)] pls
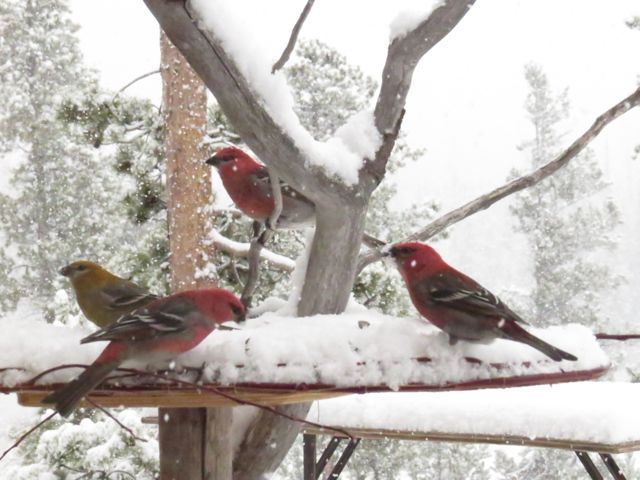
[(126, 295), (263, 177), (447, 288), (158, 319)]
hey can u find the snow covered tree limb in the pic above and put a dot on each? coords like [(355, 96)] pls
[(402, 57), (239, 249), (526, 181), (259, 130), (293, 38)]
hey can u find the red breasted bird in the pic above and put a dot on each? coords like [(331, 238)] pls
[(159, 331), (458, 304), (248, 184)]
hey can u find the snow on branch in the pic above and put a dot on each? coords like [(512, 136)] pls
[(526, 181), (239, 249)]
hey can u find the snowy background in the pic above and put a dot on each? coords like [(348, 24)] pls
[(467, 113), (466, 109)]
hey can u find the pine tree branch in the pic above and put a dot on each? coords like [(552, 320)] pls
[(526, 181), (293, 38)]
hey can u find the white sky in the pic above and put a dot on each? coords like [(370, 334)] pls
[(466, 102)]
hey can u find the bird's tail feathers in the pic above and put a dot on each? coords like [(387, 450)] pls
[(66, 398), (515, 332)]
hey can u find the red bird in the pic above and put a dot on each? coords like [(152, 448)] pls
[(458, 304), (248, 184), (159, 331)]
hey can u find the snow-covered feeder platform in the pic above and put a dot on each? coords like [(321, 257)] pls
[(585, 417), (276, 359), (598, 417)]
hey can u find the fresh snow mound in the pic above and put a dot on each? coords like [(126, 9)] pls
[(604, 412), (410, 18), (358, 348), (340, 156)]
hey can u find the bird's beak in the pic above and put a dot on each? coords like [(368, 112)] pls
[(239, 314), (65, 271), (391, 252), (214, 161)]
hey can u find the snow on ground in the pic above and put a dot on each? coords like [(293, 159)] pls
[(243, 38), (603, 412), (359, 348)]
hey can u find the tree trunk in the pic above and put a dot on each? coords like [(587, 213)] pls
[(194, 442), (340, 209)]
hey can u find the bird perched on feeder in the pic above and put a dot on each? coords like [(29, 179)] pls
[(249, 185), (102, 296), (458, 304), (159, 331)]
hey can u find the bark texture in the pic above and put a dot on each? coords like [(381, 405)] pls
[(184, 102), (194, 442)]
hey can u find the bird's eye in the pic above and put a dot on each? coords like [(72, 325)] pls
[(236, 309), (226, 158), (81, 268)]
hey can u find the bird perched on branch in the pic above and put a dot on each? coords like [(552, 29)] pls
[(458, 304), (249, 185), (102, 296), (160, 331)]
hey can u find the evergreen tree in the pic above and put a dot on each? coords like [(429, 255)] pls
[(128, 134), (88, 445), (59, 207), (545, 463), (566, 218)]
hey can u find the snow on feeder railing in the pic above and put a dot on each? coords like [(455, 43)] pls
[(276, 359)]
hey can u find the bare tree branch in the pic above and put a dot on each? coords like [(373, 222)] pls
[(293, 38), (254, 268), (137, 79), (24, 436), (118, 422), (402, 57), (276, 190), (485, 201)]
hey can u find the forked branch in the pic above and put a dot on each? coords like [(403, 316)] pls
[(485, 201)]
